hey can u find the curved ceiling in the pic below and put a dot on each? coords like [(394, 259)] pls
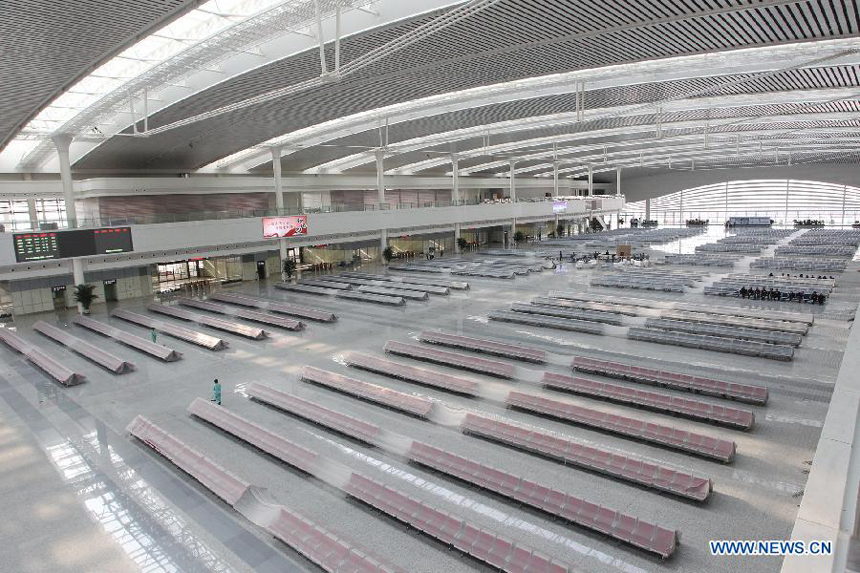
[(508, 41), (699, 83), (47, 45)]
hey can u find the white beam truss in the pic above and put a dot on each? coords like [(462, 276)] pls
[(747, 61), (421, 32), (684, 134), (240, 37), (801, 97)]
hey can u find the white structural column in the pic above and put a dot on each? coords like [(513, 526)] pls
[(511, 242), (62, 142), (590, 181), (647, 209), (457, 238), (618, 181), (34, 214), (380, 188), (455, 179), (279, 201), (78, 274), (380, 176), (555, 178), (383, 243), (513, 182), (681, 215)]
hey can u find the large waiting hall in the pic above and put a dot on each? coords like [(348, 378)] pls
[(429, 286)]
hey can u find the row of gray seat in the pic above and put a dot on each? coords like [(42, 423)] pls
[(546, 321), (618, 280), (800, 264), (703, 260), (825, 250), (397, 279), (714, 343), (576, 314), (735, 332), (746, 248), (829, 237)]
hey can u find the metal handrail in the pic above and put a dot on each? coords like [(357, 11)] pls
[(159, 218)]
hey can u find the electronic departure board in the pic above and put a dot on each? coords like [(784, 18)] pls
[(44, 245)]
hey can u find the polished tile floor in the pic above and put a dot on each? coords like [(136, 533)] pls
[(87, 498)]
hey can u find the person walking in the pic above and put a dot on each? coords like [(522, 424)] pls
[(153, 334), (216, 392)]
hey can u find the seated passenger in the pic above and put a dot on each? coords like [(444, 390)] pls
[(814, 298), (821, 298), (757, 293), (777, 295), (743, 292)]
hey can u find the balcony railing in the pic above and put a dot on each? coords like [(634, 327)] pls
[(122, 219)]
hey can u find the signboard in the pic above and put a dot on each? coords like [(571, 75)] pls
[(559, 206), (279, 227), (46, 245)]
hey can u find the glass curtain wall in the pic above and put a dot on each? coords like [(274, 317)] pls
[(783, 200), (15, 214)]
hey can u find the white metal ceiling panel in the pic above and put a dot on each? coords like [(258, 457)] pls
[(46, 45)]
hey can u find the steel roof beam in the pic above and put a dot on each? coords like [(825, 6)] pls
[(745, 61)]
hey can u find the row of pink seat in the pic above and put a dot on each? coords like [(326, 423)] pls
[(156, 350), (641, 534), (253, 316), (415, 513), (696, 409), (89, 351), (481, 544), (276, 306), (706, 446), (244, 330), (62, 374), (412, 373), (507, 350), (277, 446), (332, 553), (342, 423), (675, 380), (452, 359), (215, 478), (617, 525), (568, 451), (365, 390), (176, 331)]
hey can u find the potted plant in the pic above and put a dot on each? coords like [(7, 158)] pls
[(519, 237), (559, 230), (289, 268), (388, 254), (462, 243), (85, 296)]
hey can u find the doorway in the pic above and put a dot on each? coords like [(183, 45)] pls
[(110, 290), (58, 295), (261, 270)]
